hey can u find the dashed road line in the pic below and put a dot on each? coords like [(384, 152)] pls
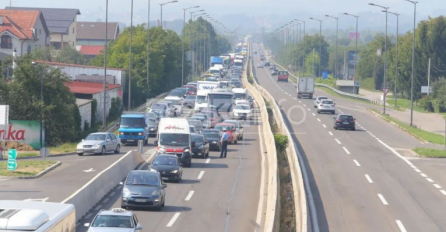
[(383, 200), (98, 207), (88, 215), (339, 142), (189, 195), (357, 163), (314, 114), (442, 191), (324, 125), (318, 119), (346, 151), (172, 221), (330, 133), (401, 226), (305, 105), (423, 175), (200, 175), (300, 102), (437, 186), (106, 199), (417, 170), (369, 179), (208, 160), (430, 180), (308, 109)]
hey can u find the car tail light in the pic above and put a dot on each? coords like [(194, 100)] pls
[(338, 120)]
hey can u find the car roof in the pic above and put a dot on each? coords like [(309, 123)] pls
[(328, 99), (224, 124), (116, 211), (165, 155), (345, 115), (211, 130), (196, 134), (99, 133)]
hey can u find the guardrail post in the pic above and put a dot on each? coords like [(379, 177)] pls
[(140, 146)]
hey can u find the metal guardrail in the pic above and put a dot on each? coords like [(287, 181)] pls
[(342, 93), (112, 127)]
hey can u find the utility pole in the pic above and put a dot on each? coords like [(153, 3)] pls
[(428, 77), (130, 59)]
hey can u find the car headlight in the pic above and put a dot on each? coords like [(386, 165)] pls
[(139, 133), (97, 145), (200, 147), (214, 141), (174, 171), (121, 133), (156, 192), (125, 192), (152, 129), (187, 150)]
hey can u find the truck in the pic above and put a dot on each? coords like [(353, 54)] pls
[(222, 100), (282, 76), (305, 87), (238, 64), (174, 138), (36, 216), (133, 127), (216, 60), (203, 88)]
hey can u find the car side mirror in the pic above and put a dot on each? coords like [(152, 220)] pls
[(87, 224), (138, 227), (164, 185)]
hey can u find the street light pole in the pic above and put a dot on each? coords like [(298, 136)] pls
[(303, 62), (385, 58), (41, 107), (190, 44), (182, 43), (396, 57), (336, 50), (148, 48), (161, 6), (130, 59), (104, 118), (356, 51), (320, 44), (413, 60)]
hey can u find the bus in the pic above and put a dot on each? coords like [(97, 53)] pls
[(222, 100), (36, 216)]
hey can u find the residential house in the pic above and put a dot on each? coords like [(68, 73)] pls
[(93, 33), (61, 24), (22, 31)]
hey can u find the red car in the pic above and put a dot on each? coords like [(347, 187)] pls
[(230, 130), (213, 116), (191, 90)]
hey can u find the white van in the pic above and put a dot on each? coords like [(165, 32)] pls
[(177, 104), (36, 216), (200, 100), (240, 94), (174, 138), (215, 71)]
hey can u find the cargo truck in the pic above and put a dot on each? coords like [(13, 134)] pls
[(305, 87)]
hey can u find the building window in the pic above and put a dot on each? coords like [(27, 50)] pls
[(6, 42), (29, 48)]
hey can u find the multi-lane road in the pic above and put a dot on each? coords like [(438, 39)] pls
[(363, 180)]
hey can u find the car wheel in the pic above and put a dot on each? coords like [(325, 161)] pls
[(335, 127), (80, 154), (318, 112), (118, 149), (353, 128), (103, 151), (332, 112)]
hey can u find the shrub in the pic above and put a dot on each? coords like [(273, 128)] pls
[(281, 142), (426, 104)]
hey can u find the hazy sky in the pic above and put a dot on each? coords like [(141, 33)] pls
[(91, 10)]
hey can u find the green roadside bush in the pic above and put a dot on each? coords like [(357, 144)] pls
[(281, 142)]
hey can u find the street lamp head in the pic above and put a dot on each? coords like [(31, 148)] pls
[(311, 18), (174, 1), (371, 4), (196, 6), (346, 13)]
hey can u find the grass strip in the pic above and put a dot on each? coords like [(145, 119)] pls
[(26, 167), (430, 152)]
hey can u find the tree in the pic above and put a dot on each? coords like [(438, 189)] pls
[(70, 55), (60, 113), (312, 64)]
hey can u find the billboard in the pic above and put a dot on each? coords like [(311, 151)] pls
[(22, 131), (352, 35)]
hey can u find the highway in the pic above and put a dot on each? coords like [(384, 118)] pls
[(215, 194), (363, 180)]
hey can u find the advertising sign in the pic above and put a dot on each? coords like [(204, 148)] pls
[(22, 131), (352, 35), (12, 159)]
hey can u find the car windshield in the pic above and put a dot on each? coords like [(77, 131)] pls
[(242, 107), (200, 116), (201, 99), (192, 129), (175, 102), (190, 97), (160, 113), (196, 124), (212, 135), (142, 178), (220, 128), (209, 114), (165, 160), (132, 122), (174, 139), (113, 221), (197, 138), (151, 115), (230, 122), (100, 137), (158, 106), (240, 95), (151, 122), (327, 102), (345, 117), (175, 93), (322, 98)]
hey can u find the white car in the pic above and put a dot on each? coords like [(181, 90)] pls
[(242, 111), (116, 219), (326, 105), (99, 143), (318, 100)]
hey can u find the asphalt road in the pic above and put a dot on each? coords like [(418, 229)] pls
[(215, 194), (364, 180)]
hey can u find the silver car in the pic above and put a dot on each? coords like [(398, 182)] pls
[(114, 220), (318, 100), (99, 143), (326, 105)]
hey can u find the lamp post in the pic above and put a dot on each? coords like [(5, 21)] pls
[(385, 58), (182, 43), (130, 58), (396, 58), (356, 49), (303, 62), (320, 44), (194, 18), (336, 49), (148, 48), (161, 6), (41, 107), (190, 44), (413, 59), (104, 118)]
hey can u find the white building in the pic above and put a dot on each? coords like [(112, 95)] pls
[(84, 106)]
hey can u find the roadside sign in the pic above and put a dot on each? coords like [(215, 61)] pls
[(44, 152), (324, 75), (386, 90), (426, 89), (12, 159)]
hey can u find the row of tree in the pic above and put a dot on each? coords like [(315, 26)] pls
[(59, 110)]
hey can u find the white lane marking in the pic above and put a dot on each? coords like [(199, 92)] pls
[(423, 175), (338, 141), (295, 98), (324, 125), (430, 180), (357, 163), (200, 175), (308, 109), (113, 193), (417, 170), (208, 160), (300, 102), (105, 200), (318, 119), (437, 186), (305, 105), (174, 218), (345, 149), (442, 191), (314, 114), (401, 226), (88, 215), (383, 200), (369, 179), (98, 207), (189, 195), (330, 133)]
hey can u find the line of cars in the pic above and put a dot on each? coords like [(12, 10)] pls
[(341, 121)]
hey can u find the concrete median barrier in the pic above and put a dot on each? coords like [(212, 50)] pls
[(92, 192)]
